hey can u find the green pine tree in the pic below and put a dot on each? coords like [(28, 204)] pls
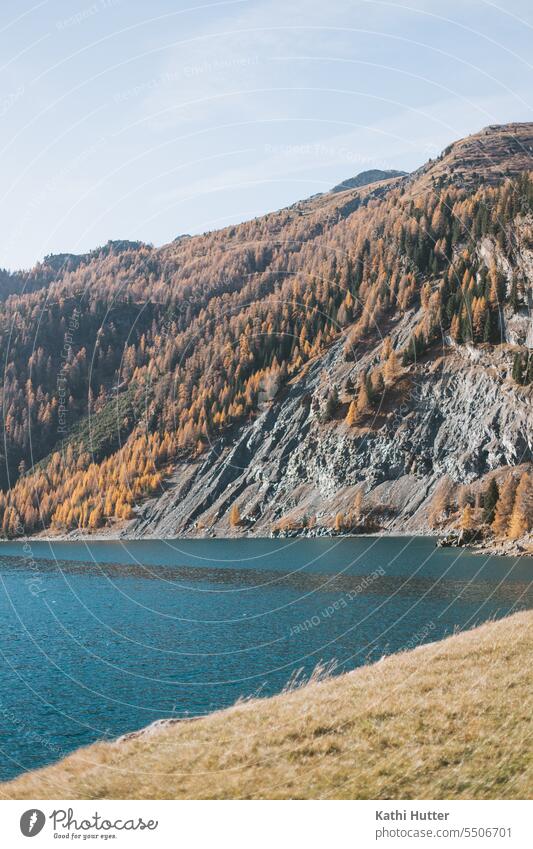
[(518, 369), (490, 500), (528, 378)]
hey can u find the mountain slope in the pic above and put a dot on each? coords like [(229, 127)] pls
[(358, 361), (496, 152), (446, 418)]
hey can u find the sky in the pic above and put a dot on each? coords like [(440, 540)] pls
[(124, 119)]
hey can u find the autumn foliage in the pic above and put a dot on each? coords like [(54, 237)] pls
[(200, 335)]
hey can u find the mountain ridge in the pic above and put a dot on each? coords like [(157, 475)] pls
[(517, 156), (365, 178)]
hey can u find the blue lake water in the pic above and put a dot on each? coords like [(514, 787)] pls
[(103, 638)]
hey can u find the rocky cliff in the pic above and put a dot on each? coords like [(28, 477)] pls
[(457, 413), (454, 415)]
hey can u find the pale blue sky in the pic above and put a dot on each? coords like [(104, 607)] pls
[(144, 120)]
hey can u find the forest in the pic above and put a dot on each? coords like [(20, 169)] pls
[(120, 362)]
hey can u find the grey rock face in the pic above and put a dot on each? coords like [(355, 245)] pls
[(456, 414)]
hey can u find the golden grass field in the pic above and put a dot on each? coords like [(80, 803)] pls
[(449, 720)]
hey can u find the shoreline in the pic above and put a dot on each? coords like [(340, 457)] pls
[(477, 682), (506, 548)]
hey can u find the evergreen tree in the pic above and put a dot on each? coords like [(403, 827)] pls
[(332, 403), (490, 331), (529, 373), (490, 501), (518, 369)]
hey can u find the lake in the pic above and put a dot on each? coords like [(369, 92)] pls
[(103, 638)]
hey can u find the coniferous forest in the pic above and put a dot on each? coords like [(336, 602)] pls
[(122, 364)]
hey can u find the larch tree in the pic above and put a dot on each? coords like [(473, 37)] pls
[(351, 416), (391, 369), (386, 349), (504, 507), (363, 400), (235, 516), (522, 515), (440, 503), (467, 519), (358, 504)]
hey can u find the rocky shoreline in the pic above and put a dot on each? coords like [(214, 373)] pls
[(451, 539)]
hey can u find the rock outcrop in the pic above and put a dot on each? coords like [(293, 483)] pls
[(457, 414)]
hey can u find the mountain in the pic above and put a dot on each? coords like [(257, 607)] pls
[(367, 177), (496, 152), (358, 361)]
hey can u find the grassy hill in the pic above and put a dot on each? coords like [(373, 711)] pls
[(449, 720)]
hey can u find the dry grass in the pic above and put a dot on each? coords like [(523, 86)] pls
[(448, 720)]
